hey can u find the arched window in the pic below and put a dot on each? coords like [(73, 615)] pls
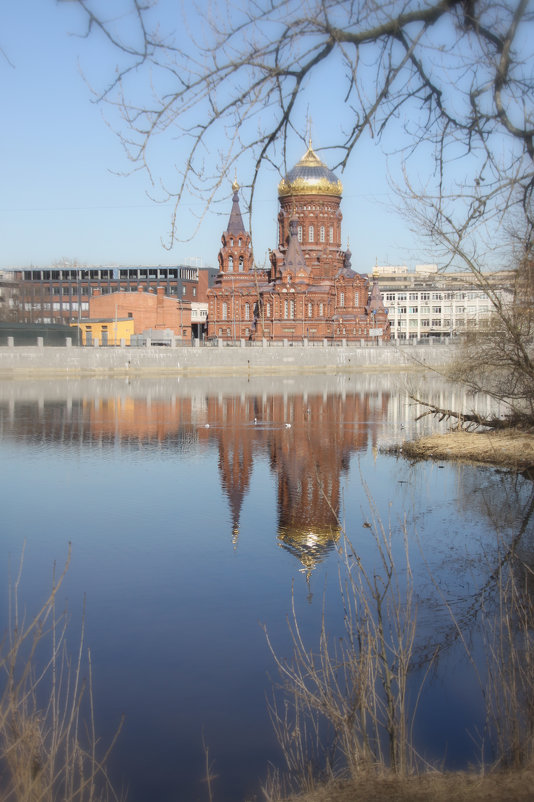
[(342, 299), (321, 234), (311, 234), (299, 233), (225, 311), (310, 309), (241, 264), (230, 264), (267, 309), (240, 242), (331, 233), (247, 311)]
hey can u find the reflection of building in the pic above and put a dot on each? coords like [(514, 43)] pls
[(310, 290), (308, 457), (307, 439)]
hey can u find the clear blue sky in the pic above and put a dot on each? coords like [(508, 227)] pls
[(63, 188)]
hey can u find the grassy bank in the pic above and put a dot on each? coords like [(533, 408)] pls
[(507, 449)]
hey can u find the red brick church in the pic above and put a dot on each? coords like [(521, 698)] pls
[(310, 290)]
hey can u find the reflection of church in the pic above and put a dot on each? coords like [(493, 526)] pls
[(309, 459), (310, 290)]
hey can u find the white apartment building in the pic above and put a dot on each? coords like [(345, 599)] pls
[(427, 303)]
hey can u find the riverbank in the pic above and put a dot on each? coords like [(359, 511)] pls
[(507, 449), (513, 786), (292, 358)]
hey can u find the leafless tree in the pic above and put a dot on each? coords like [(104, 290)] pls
[(451, 77)]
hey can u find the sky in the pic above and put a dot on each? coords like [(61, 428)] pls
[(65, 188)]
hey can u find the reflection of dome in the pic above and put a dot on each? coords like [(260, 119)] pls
[(309, 545), (310, 176)]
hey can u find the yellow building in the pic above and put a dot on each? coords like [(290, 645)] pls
[(108, 331)]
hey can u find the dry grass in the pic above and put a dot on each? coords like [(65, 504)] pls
[(507, 449), (430, 787)]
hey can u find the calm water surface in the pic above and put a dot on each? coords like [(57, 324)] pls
[(194, 506)]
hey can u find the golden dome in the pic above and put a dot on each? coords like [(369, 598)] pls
[(310, 176)]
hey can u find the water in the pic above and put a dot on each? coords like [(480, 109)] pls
[(194, 506)]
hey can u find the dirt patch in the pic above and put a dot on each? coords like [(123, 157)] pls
[(513, 450), (430, 787)]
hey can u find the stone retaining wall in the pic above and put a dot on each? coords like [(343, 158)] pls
[(21, 362)]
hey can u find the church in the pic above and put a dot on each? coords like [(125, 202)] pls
[(309, 292)]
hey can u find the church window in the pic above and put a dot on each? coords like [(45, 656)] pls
[(230, 264), (220, 332), (299, 233), (267, 309), (342, 299), (231, 242), (292, 309), (286, 305), (331, 233), (225, 311), (321, 310), (356, 299), (239, 242), (241, 264), (247, 311), (321, 234), (228, 332), (311, 234), (310, 310)]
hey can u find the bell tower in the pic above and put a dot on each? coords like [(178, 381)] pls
[(235, 256)]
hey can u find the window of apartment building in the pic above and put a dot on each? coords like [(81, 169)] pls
[(436, 310), (413, 310), (247, 311), (311, 233), (436, 296), (425, 310), (390, 296), (401, 296), (413, 324), (412, 296), (460, 310), (436, 322), (447, 323), (225, 311), (299, 233), (321, 234), (471, 310), (460, 321), (425, 296), (425, 323), (331, 234), (402, 310)]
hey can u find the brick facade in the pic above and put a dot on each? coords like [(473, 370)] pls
[(310, 290), (149, 310)]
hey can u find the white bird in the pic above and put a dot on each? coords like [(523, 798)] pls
[(288, 426)]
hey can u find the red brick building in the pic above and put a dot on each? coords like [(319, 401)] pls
[(310, 290), (149, 310)]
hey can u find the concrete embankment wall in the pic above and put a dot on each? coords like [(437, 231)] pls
[(32, 362)]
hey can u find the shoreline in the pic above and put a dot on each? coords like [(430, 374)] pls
[(512, 450)]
